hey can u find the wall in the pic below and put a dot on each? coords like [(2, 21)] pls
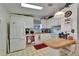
[(78, 23), (3, 29), (73, 17)]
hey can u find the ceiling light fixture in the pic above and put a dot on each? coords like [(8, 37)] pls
[(59, 13), (31, 6)]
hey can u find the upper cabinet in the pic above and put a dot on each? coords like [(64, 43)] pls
[(44, 23), (50, 22), (54, 22), (29, 22)]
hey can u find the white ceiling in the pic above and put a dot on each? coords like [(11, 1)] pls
[(47, 10)]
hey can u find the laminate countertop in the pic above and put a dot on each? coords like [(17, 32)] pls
[(58, 42)]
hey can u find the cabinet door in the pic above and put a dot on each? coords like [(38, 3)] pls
[(42, 37), (45, 37), (37, 37), (43, 22), (49, 23), (29, 22)]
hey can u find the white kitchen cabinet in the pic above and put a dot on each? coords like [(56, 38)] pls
[(54, 22), (42, 37), (29, 22), (37, 37), (45, 36), (69, 50), (44, 23), (49, 23)]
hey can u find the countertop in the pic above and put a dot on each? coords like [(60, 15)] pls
[(58, 42)]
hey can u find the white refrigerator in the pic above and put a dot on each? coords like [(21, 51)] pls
[(17, 35)]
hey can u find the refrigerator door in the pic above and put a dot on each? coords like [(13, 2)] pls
[(17, 35), (17, 44), (17, 29)]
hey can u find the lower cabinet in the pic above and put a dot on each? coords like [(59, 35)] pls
[(37, 38), (69, 50), (45, 37)]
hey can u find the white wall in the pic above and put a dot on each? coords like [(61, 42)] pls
[(3, 29), (73, 17), (78, 23)]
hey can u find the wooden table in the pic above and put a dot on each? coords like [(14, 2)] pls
[(58, 42)]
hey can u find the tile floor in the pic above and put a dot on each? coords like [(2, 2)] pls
[(31, 51)]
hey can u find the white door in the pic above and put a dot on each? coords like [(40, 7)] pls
[(17, 44), (17, 29), (17, 35)]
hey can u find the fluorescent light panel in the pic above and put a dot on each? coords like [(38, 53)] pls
[(59, 13), (31, 6)]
